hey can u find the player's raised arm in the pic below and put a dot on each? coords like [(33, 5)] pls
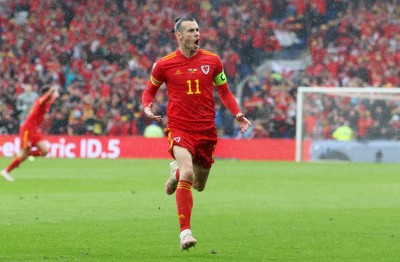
[(55, 93), (46, 92)]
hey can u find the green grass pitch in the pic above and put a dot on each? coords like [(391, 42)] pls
[(117, 210)]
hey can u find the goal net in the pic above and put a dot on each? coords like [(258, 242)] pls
[(348, 124)]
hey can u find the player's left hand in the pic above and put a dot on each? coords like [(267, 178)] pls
[(244, 123)]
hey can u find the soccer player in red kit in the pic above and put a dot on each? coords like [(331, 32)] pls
[(190, 74), (29, 130)]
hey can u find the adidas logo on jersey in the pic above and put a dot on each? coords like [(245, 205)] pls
[(178, 72)]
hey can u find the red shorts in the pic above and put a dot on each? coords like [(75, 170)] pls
[(200, 144), (29, 138)]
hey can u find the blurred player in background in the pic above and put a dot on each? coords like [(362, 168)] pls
[(25, 101), (190, 74), (29, 130)]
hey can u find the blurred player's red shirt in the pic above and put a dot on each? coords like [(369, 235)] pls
[(37, 113), (190, 86)]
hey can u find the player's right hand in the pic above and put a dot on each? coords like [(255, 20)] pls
[(148, 110)]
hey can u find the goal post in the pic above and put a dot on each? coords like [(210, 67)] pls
[(317, 101)]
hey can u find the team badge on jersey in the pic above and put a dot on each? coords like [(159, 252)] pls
[(177, 139), (205, 69)]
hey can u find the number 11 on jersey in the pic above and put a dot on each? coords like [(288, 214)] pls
[(197, 82)]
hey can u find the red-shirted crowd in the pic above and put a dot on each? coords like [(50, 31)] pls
[(351, 50), (100, 52)]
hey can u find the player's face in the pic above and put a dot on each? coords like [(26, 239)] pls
[(190, 36)]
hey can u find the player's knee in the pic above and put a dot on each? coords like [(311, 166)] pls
[(186, 175)]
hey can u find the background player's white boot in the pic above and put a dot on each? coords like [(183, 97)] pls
[(6, 175), (172, 182)]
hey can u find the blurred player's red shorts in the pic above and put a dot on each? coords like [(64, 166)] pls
[(200, 144), (29, 138)]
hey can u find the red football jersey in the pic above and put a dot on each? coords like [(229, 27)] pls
[(37, 113), (190, 86)]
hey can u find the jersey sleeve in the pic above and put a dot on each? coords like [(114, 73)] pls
[(227, 98), (155, 81), (157, 74), (219, 68)]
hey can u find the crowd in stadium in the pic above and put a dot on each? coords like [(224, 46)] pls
[(350, 50), (101, 52)]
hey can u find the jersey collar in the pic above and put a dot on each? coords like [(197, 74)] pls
[(179, 53)]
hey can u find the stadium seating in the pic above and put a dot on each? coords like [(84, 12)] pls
[(101, 52)]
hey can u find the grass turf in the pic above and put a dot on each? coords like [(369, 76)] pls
[(116, 210)]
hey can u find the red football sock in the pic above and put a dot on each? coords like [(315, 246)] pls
[(184, 203), (15, 163), (36, 152)]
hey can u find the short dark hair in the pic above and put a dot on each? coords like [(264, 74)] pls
[(178, 22), (44, 89)]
